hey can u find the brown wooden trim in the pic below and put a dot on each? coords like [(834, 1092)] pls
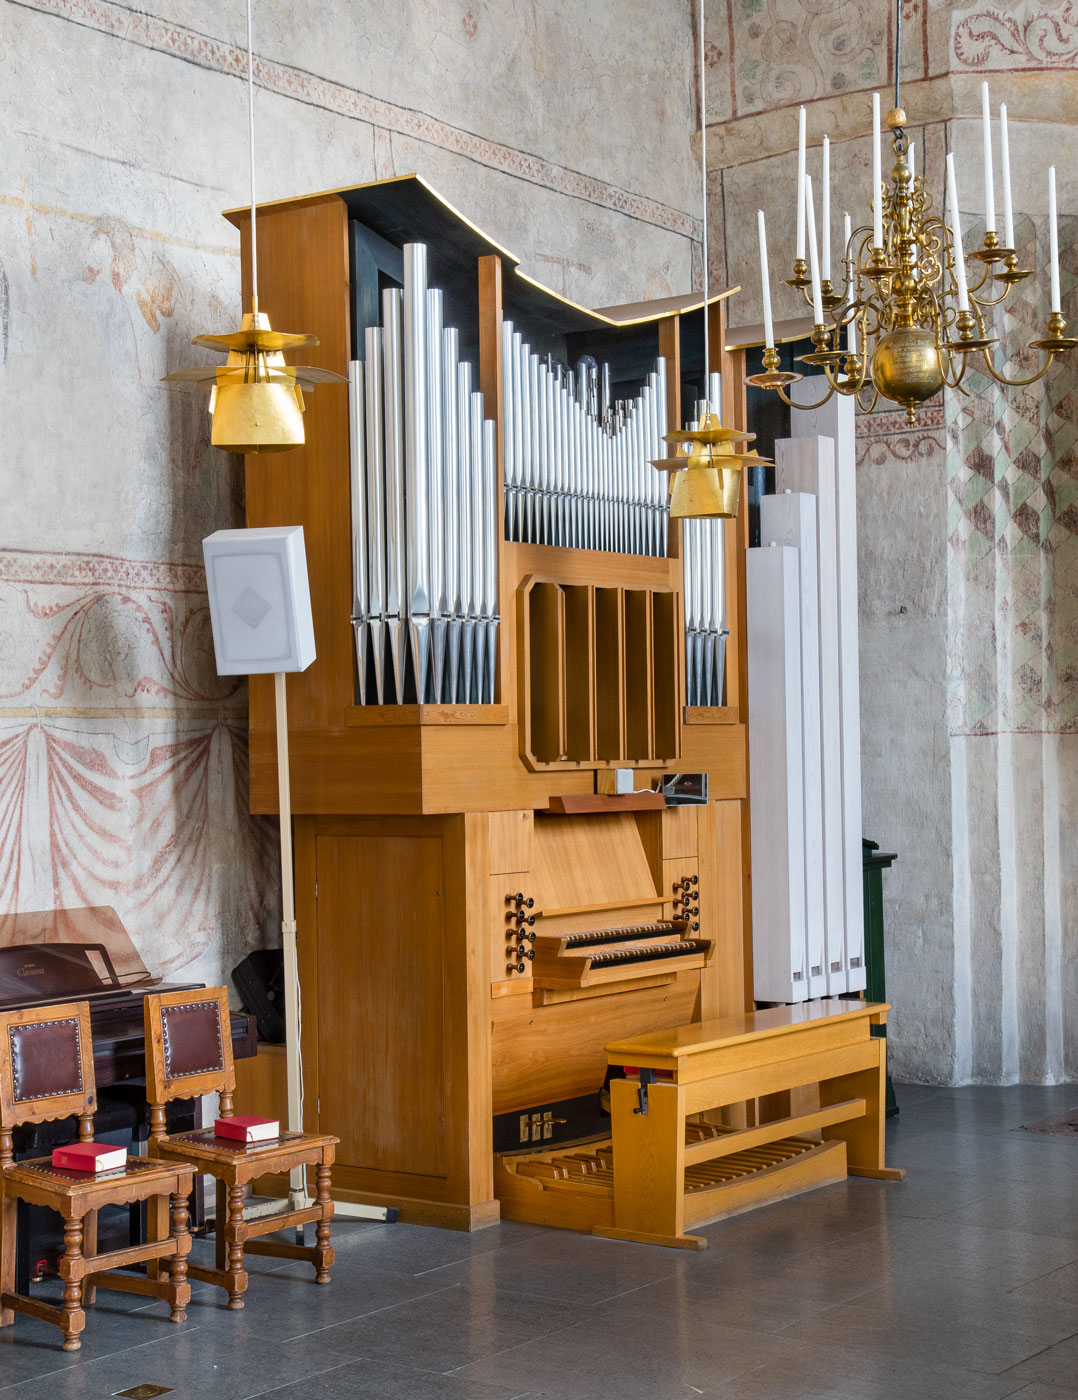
[(407, 716)]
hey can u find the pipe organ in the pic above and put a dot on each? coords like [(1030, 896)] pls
[(503, 611)]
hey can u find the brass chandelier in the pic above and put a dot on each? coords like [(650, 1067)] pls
[(915, 317)]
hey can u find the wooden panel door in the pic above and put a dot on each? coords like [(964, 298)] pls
[(381, 1000)]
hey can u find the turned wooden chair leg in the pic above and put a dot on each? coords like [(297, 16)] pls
[(9, 1209), (89, 1249), (220, 1228), (179, 1290), (74, 1319), (157, 1228), (323, 1251), (237, 1275)]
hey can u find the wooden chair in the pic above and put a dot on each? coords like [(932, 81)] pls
[(47, 1072), (189, 1052)]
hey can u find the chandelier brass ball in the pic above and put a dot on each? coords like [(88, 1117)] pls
[(906, 366)]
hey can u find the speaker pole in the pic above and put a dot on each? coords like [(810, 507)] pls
[(297, 1192)]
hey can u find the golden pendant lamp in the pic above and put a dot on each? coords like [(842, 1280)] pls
[(256, 399), (706, 472)]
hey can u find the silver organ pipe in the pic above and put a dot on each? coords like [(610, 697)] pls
[(475, 534), (425, 533), (395, 596), (706, 628), (358, 448), (449, 512), (574, 478)]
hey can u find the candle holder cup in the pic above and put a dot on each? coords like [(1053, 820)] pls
[(772, 377), (1055, 342)]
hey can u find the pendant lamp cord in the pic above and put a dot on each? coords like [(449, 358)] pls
[(251, 124), (898, 47), (703, 182)]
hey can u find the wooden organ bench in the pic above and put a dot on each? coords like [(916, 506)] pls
[(665, 1168)]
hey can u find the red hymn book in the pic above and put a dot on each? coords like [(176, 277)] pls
[(90, 1157), (245, 1127)]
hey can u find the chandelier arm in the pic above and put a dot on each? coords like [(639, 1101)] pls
[(790, 403), (954, 379), (1017, 383), (872, 402), (990, 301), (833, 380), (975, 287)]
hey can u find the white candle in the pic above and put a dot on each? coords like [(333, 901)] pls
[(814, 256), (799, 253), (956, 235), (765, 281), (1053, 236), (877, 175), (851, 333), (989, 179), (825, 214), (911, 161), (1008, 207)]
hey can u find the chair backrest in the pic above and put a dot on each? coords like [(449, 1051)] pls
[(188, 1048), (46, 1066)]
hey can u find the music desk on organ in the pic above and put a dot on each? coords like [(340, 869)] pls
[(501, 614)]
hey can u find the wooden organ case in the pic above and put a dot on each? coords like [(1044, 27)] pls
[(476, 919)]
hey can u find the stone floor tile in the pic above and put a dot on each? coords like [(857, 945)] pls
[(1055, 1365), (609, 1357), (374, 1380), (286, 1306), (564, 1266), (863, 1329), (446, 1330), (926, 1295), (198, 1363), (1038, 1391), (414, 1249), (1037, 1210), (823, 1370), (685, 1301), (1059, 1286)]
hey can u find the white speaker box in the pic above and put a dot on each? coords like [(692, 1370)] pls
[(260, 600)]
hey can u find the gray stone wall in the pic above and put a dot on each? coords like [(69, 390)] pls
[(562, 130)]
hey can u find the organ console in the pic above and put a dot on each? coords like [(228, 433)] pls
[(503, 609)]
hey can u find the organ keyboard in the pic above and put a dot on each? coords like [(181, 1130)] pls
[(597, 956)]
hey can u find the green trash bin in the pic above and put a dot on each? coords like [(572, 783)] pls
[(873, 863)]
